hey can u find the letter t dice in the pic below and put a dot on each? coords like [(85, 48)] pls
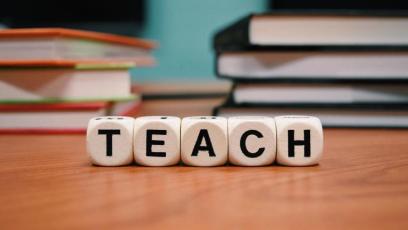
[(109, 140)]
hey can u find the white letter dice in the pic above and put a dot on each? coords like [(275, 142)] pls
[(109, 140), (300, 140), (204, 141), (252, 140), (157, 140)]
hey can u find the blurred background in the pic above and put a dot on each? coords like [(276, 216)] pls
[(364, 75), (183, 28)]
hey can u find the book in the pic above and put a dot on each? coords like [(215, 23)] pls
[(314, 66), (264, 94), (331, 116), (50, 85), (315, 29), (59, 117), (66, 47)]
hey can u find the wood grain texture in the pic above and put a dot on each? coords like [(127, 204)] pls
[(47, 182)]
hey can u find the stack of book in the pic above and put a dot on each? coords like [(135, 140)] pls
[(350, 69), (55, 80)]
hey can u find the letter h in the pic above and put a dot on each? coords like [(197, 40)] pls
[(292, 143)]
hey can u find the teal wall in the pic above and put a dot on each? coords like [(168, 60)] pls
[(184, 30)]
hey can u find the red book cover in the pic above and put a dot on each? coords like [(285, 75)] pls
[(52, 107)]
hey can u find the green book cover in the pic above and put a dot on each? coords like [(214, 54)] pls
[(80, 66)]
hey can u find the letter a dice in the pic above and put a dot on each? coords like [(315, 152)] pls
[(300, 140), (157, 140), (204, 141), (109, 140), (252, 140)]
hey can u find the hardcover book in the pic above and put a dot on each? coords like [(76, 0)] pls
[(50, 85), (67, 47), (314, 94), (59, 117), (314, 66), (356, 116), (316, 30)]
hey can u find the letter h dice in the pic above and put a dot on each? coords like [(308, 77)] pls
[(300, 140)]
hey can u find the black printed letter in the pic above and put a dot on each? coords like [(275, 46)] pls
[(208, 145), (243, 145), (150, 142), (292, 142), (109, 134)]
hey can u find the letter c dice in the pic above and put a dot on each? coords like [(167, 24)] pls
[(109, 140), (300, 140), (252, 140)]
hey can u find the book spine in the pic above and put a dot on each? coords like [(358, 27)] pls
[(234, 37)]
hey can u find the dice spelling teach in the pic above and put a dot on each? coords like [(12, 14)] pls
[(205, 140)]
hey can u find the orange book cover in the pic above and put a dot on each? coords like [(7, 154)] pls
[(81, 34)]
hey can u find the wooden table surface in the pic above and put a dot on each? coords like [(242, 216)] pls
[(47, 182)]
